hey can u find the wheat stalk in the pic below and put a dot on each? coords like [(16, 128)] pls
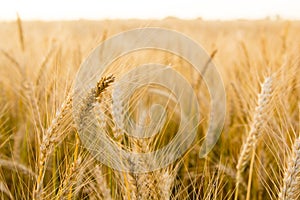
[(165, 181), (75, 164), (29, 91), (9, 164), (50, 138), (146, 183), (291, 180), (13, 61), (65, 190), (52, 135), (4, 189), (88, 104), (118, 114), (102, 183), (255, 130), (127, 184), (20, 31)]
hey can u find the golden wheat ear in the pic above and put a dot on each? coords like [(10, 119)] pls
[(290, 189), (20, 31), (50, 138), (255, 130), (52, 135)]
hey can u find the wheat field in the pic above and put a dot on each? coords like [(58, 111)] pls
[(256, 157)]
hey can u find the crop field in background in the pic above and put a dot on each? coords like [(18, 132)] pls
[(256, 157)]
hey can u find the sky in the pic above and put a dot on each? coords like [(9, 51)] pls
[(144, 9)]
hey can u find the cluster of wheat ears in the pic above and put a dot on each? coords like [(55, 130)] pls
[(41, 153)]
